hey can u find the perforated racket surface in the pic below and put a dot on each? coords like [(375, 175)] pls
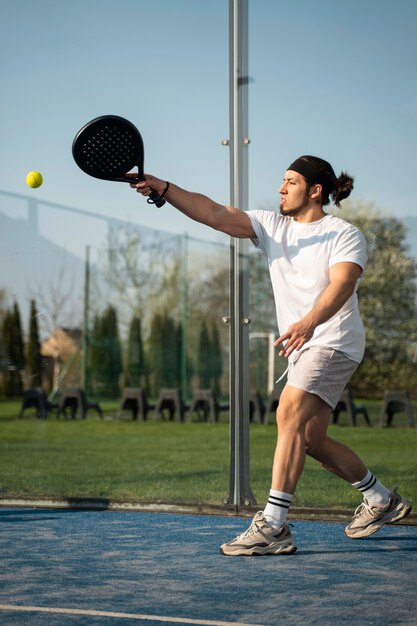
[(108, 147)]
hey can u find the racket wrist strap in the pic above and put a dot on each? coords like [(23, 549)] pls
[(154, 198), (165, 190)]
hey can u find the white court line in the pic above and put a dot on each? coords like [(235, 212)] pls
[(138, 616)]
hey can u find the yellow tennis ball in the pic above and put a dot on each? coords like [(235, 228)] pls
[(34, 179)]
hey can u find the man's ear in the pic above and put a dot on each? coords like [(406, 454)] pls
[(315, 191)]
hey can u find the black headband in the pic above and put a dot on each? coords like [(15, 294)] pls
[(315, 171)]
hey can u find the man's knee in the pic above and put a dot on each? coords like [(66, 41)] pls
[(290, 411), (313, 444), (310, 451), (289, 420)]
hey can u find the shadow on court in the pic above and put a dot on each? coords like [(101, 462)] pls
[(107, 568)]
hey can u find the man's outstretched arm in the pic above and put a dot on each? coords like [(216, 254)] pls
[(200, 208)]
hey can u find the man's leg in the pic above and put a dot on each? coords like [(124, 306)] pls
[(268, 533), (380, 505), (295, 410), (331, 454), (293, 414)]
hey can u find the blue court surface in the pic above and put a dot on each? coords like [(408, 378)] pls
[(106, 568)]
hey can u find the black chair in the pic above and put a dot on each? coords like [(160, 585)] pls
[(347, 403), (205, 403), (75, 400), (171, 401), (257, 408), (396, 402), (37, 399), (136, 401)]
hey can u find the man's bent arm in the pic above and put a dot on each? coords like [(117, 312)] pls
[(343, 278)]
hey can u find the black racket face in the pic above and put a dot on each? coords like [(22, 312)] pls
[(108, 147)]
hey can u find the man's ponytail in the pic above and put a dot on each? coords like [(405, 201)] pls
[(342, 189)]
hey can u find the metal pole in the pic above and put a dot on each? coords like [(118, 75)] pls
[(240, 492)]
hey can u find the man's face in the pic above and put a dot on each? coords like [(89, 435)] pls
[(294, 196)]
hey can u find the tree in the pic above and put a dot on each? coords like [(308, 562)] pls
[(95, 345), (57, 309), (3, 307), (263, 317), (106, 358), (3, 352), (136, 267), (7, 343), (156, 351), (387, 301), (209, 296), (33, 351), (208, 303), (216, 358), (135, 365), (203, 363), (14, 348), (210, 361), (261, 298), (164, 352)]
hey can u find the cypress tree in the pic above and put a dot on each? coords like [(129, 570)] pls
[(156, 353), (172, 335), (204, 354), (114, 351), (106, 356), (135, 366), (3, 354), (15, 353), (18, 343), (95, 348), (216, 359), (164, 352), (34, 359), (7, 335)]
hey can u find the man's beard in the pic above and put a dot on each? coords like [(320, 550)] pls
[(296, 210), (290, 212)]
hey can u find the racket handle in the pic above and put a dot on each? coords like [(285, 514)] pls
[(154, 198)]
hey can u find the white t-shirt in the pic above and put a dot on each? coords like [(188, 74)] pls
[(299, 256)]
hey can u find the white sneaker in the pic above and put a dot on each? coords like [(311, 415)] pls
[(368, 519), (260, 539)]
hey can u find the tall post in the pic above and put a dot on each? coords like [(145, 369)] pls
[(240, 492)]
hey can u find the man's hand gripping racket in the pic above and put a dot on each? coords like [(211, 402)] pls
[(108, 147)]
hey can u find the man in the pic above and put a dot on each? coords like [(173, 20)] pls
[(316, 261)]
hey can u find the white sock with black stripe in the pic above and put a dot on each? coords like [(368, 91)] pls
[(276, 509), (372, 490)]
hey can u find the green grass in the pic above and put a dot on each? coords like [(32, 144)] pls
[(166, 461)]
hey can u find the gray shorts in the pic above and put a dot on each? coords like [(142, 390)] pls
[(322, 371)]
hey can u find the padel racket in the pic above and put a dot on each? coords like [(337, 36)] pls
[(109, 147)]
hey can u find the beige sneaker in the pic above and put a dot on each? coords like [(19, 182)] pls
[(368, 519), (259, 539)]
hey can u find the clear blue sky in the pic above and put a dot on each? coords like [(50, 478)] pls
[(336, 79)]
